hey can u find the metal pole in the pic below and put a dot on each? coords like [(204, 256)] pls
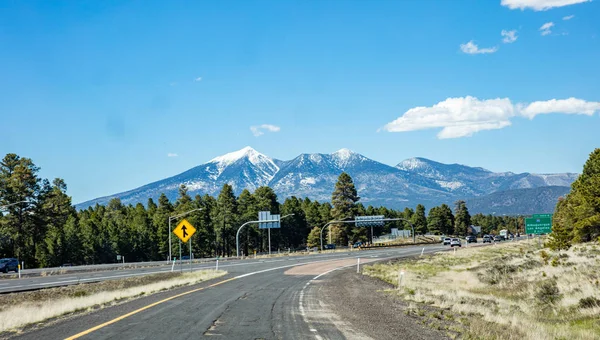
[(170, 232), (190, 254), (371, 234), (269, 230), (358, 265), (180, 259)]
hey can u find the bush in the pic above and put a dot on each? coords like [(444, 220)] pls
[(548, 293), (555, 262), (545, 256), (589, 302)]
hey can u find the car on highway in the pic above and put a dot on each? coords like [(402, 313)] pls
[(8, 265), (330, 246), (487, 239), (471, 239), (447, 241), (358, 244), (499, 238), (455, 243)]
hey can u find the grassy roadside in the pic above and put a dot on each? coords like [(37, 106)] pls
[(508, 291), (21, 309)]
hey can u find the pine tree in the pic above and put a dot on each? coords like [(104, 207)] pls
[(448, 220), (160, 223), (419, 220), (462, 219), (343, 199), (314, 238), (294, 228), (226, 220)]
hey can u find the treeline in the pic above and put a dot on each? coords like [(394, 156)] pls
[(577, 216), (40, 226)]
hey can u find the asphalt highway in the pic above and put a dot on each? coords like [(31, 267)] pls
[(257, 299), (233, 266)]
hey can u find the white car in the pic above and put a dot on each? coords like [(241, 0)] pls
[(447, 241), (455, 243)]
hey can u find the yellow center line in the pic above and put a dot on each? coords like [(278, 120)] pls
[(88, 331)]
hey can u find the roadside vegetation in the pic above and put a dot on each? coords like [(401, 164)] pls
[(18, 310), (515, 290)]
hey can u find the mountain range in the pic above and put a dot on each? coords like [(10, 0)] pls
[(412, 181)]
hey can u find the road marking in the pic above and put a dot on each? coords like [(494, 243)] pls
[(95, 328), (88, 331)]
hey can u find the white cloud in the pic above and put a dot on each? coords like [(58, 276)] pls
[(546, 28), (472, 48), (464, 116), (571, 106), (568, 17), (259, 130), (539, 5), (198, 79), (172, 155), (509, 36)]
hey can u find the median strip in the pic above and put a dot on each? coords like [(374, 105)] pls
[(20, 309)]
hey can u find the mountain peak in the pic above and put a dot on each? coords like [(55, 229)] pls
[(232, 157), (414, 163)]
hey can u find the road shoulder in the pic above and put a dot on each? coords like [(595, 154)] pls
[(362, 302)]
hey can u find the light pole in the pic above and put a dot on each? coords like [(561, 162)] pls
[(354, 221), (237, 235), (171, 231)]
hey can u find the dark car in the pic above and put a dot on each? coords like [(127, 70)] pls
[(358, 244), (499, 238), (471, 239), (7, 265), (487, 239), (330, 246)]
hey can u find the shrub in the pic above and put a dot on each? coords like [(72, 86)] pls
[(589, 302), (555, 262), (547, 292), (545, 256)]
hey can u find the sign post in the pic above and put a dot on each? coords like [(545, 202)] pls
[(184, 231), (273, 222)]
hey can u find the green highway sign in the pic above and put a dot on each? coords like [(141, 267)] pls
[(539, 224)]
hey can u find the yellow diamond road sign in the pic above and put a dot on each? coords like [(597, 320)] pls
[(184, 230)]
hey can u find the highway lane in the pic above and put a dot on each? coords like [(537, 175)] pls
[(232, 266), (255, 301)]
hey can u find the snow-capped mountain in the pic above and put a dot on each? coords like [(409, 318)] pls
[(413, 181), (473, 181)]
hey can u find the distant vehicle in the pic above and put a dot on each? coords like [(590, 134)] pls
[(447, 241), (67, 265), (471, 239), (504, 233), (455, 243), (499, 238), (9, 264), (186, 257), (487, 239), (330, 246), (358, 244)]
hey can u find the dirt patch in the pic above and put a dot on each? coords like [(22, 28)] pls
[(320, 268), (364, 303)]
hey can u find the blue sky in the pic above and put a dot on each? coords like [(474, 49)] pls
[(101, 92)]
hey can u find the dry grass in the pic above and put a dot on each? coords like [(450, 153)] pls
[(20, 309), (508, 291)]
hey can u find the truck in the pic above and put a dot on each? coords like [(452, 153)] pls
[(504, 233)]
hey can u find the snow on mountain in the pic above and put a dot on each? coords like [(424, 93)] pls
[(412, 181)]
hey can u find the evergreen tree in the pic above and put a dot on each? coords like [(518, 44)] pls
[(225, 220), (419, 220), (462, 219), (314, 238), (294, 228), (19, 188), (313, 215), (343, 199), (160, 223)]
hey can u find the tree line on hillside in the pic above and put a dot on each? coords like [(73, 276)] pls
[(577, 215), (40, 226)]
